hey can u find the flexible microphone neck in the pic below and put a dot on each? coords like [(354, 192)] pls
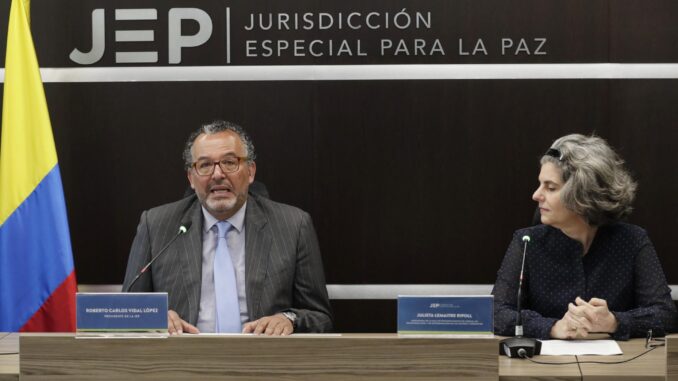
[(519, 318), (520, 346), (182, 230)]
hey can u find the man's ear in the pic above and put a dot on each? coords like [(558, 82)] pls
[(252, 168), (190, 179)]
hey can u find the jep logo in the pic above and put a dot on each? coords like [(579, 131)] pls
[(177, 37)]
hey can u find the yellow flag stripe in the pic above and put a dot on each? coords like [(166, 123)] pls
[(27, 153)]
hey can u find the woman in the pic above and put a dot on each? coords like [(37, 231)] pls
[(585, 270)]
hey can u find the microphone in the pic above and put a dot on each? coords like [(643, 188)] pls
[(519, 319), (520, 346), (182, 230)]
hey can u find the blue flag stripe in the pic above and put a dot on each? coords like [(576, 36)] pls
[(35, 252)]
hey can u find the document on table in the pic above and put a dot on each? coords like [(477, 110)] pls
[(580, 347)]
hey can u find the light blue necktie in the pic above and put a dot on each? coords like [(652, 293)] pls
[(225, 289)]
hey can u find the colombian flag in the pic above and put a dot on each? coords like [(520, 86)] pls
[(37, 277)]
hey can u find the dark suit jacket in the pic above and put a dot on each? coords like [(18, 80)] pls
[(283, 267)]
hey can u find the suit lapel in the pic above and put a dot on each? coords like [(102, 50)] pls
[(190, 250), (257, 249)]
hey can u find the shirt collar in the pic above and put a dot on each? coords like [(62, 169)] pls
[(237, 220)]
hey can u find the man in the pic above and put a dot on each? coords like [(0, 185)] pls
[(244, 259)]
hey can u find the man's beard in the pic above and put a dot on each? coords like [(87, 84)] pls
[(221, 205)]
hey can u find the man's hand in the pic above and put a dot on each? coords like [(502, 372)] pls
[(177, 326), (275, 325), (597, 312)]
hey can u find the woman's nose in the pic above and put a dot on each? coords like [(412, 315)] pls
[(537, 195)]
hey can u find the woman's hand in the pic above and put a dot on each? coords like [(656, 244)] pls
[(584, 318), (597, 312), (573, 325)]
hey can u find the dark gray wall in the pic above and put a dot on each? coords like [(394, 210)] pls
[(408, 181)]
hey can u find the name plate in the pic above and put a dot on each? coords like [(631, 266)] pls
[(121, 312), (446, 315)]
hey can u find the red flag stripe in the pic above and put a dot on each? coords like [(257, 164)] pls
[(57, 314)]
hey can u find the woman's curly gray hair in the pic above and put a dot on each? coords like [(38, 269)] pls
[(596, 184)]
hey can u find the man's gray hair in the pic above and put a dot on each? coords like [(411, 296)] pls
[(213, 128), (596, 184)]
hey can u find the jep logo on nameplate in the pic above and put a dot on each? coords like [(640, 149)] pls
[(455, 316), (121, 312)]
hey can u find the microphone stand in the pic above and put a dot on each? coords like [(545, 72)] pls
[(520, 346), (182, 230)]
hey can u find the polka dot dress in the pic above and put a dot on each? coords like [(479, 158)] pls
[(621, 267)]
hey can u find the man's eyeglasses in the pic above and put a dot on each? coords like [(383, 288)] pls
[(227, 165)]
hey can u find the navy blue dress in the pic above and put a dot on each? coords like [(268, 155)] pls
[(621, 267)]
